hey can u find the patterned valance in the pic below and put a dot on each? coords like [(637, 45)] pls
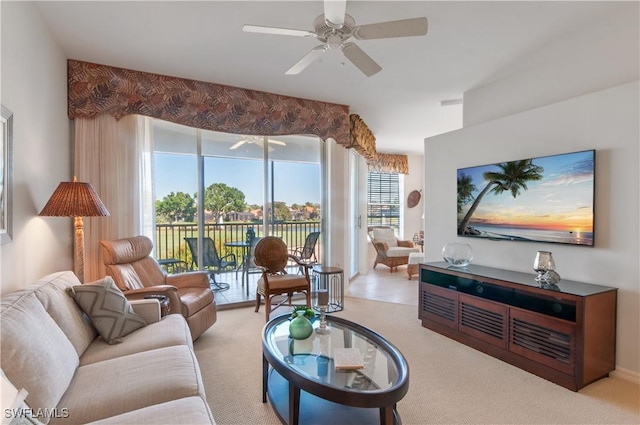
[(362, 139), (390, 163), (99, 89)]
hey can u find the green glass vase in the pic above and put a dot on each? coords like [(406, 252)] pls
[(300, 327)]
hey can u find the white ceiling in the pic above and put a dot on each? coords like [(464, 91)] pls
[(468, 45)]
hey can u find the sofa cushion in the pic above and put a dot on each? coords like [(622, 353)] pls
[(51, 291), (188, 410), (124, 384), (36, 354), (283, 281), (171, 330), (109, 310), (385, 235)]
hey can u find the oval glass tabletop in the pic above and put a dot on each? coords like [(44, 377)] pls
[(377, 365)]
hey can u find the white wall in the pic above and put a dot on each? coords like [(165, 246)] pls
[(607, 121), (592, 58), (413, 181), (34, 88)]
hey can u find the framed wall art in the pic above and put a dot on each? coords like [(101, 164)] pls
[(6, 176)]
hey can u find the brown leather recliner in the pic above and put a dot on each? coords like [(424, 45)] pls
[(139, 275)]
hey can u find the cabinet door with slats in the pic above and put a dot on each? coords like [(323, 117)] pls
[(545, 340), (482, 319), (439, 305)]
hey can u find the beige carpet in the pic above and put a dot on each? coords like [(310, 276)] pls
[(449, 383)]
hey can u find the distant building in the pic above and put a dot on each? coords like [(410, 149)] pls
[(240, 216)]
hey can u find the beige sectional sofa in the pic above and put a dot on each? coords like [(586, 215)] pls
[(51, 349)]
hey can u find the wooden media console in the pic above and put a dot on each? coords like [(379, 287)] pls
[(566, 334)]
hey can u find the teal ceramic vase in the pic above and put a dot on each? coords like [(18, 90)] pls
[(300, 327)]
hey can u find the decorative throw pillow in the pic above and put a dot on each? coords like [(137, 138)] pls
[(108, 308)]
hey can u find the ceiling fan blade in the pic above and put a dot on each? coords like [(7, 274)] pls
[(311, 56), (238, 144), (334, 11), (278, 31), (391, 29), (360, 59), (277, 142)]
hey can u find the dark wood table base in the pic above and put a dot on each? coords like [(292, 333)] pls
[(312, 410)]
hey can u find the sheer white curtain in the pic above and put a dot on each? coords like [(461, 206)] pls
[(115, 157)]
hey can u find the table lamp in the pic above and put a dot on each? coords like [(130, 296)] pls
[(75, 199)]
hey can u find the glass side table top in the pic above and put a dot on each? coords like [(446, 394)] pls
[(385, 369)]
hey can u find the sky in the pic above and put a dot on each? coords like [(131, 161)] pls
[(562, 200), (293, 182)]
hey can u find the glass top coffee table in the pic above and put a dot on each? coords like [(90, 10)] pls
[(303, 385)]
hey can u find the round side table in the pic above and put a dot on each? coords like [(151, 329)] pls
[(331, 279)]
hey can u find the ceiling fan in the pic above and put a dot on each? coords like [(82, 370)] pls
[(334, 28), (256, 140)]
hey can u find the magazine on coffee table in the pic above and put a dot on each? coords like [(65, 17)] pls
[(347, 358)]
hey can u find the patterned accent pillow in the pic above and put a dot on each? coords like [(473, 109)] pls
[(108, 309)]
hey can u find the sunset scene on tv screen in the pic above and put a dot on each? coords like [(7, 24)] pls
[(547, 199)]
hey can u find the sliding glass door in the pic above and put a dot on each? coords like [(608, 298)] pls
[(222, 185)]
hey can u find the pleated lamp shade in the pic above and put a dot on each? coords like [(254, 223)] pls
[(74, 199)]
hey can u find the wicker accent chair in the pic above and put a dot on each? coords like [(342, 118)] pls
[(138, 275), (271, 256), (391, 251)]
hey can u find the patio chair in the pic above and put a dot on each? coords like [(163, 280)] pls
[(211, 261), (307, 252), (272, 256)]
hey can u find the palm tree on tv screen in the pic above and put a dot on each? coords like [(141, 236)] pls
[(465, 190), (512, 177)]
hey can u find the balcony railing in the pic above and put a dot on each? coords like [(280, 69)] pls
[(170, 243)]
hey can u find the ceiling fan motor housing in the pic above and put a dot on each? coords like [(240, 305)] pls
[(330, 34)]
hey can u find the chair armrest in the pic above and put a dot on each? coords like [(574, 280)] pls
[(232, 255), (299, 262), (169, 291), (197, 279), (138, 294), (381, 247), (296, 251), (149, 309), (406, 244)]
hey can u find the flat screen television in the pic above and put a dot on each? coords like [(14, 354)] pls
[(545, 199)]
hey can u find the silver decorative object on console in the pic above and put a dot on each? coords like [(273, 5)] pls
[(546, 268)]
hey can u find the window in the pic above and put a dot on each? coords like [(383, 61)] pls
[(383, 200)]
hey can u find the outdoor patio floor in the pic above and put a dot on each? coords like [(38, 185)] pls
[(378, 284)]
